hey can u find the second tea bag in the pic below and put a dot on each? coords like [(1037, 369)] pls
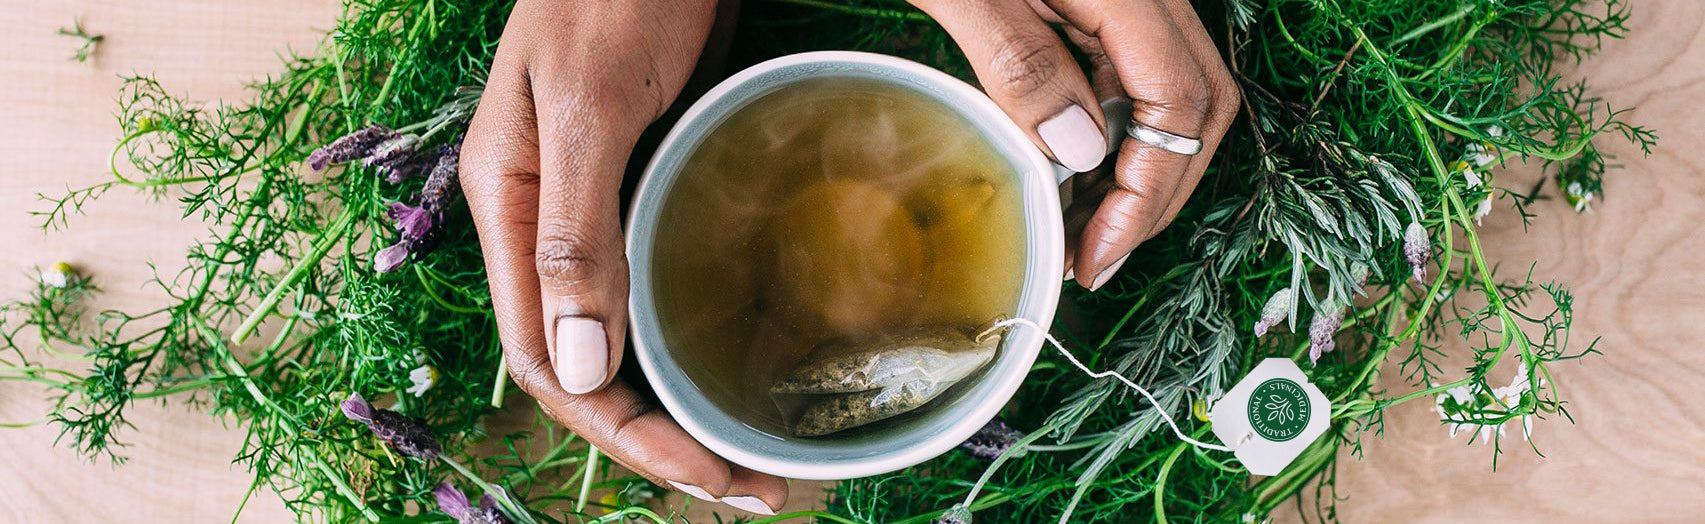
[(865, 381)]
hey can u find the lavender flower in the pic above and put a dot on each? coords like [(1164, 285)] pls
[(396, 172), (958, 514), (412, 221), (1278, 308), (394, 151), (1321, 331), (452, 502), (1417, 248), (349, 147), (408, 435), (443, 184), (420, 227), (992, 440), (1360, 272)]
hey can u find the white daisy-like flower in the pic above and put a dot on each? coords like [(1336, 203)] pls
[(59, 275), (1460, 396), (422, 378), (1579, 196), (1453, 403), (1480, 211), (1510, 396), (1468, 173), (1482, 154)]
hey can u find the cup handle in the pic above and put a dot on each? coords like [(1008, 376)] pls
[(1117, 111)]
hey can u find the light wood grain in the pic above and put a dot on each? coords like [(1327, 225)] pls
[(58, 126), (1636, 453)]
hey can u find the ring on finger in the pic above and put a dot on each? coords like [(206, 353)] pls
[(1161, 139)]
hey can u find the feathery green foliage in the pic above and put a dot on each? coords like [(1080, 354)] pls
[(1356, 116)]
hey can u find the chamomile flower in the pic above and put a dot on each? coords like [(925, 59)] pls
[(59, 275), (1459, 406), (1482, 154), (1468, 173), (1480, 211), (421, 379), (1578, 196)]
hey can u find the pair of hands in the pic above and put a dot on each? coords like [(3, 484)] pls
[(572, 87)]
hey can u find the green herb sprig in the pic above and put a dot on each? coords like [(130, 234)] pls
[(1363, 121), (87, 42)]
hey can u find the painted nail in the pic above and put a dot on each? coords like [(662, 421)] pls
[(1071, 274), (1074, 138), (1107, 274), (695, 491), (749, 504), (582, 354)]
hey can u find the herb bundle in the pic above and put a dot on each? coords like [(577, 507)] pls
[(1337, 227)]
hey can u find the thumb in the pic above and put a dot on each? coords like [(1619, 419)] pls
[(579, 255), (1027, 70)]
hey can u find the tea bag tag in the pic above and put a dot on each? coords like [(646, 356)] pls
[(1270, 416)]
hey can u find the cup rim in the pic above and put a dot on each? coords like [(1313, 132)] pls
[(1044, 233)]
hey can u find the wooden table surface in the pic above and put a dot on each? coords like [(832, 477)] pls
[(1635, 454)]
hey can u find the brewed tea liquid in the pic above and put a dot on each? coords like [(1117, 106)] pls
[(832, 208)]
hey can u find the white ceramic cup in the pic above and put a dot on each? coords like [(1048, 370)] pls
[(946, 421)]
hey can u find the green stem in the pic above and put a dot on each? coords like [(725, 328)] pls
[(1160, 484), (820, 515), (288, 420), (309, 261), (391, 76), (1441, 22), (586, 481)]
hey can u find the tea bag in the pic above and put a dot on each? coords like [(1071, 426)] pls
[(872, 380)]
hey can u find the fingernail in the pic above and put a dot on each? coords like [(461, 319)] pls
[(582, 354), (695, 491), (1107, 274), (1074, 138), (1071, 274), (749, 504)]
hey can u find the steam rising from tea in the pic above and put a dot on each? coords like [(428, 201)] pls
[(831, 210)]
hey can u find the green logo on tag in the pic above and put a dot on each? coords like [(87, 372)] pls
[(1278, 409)]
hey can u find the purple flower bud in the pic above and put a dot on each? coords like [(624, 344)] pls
[(993, 439), (1321, 331), (422, 226), (1278, 308), (392, 152), (390, 258), (1417, 248), (413, 222), (408, 435), (1360, 272), (443, 185), (452, 502), (349, 147), (958, 514), (406, 169), (357, 409)]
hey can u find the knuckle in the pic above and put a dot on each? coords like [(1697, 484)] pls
[(566, 258), (1026, 64), (1190, 98), (1227, 99)]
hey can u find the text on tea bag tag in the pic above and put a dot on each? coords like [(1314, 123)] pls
[(1271, 416)]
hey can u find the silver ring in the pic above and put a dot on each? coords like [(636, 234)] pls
[(1162, 139)]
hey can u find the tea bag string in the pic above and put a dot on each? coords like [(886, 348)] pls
[(1019, 321)]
